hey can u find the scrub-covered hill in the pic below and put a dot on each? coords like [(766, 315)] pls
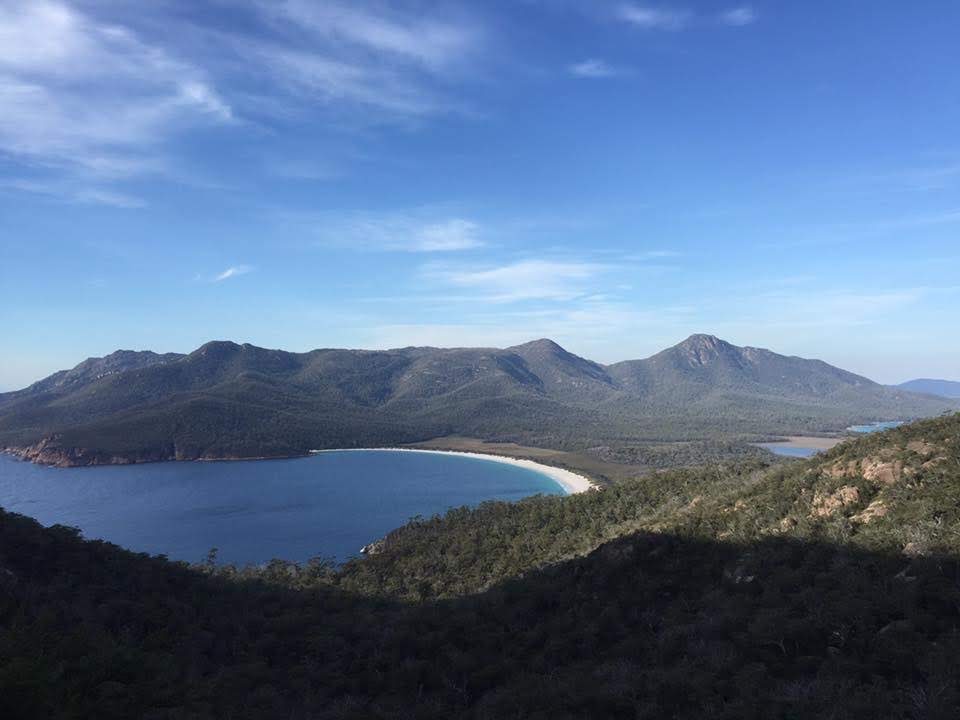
[(895, 492)]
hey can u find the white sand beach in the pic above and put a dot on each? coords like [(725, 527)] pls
[(571, 482)]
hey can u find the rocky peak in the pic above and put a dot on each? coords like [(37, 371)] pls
[(543, 345), (701, 349), (550, 361), (217, 349)]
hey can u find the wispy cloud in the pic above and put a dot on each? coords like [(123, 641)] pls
[(649, 17), (433, 43), (521, 280), (232, 272), (596, 328), (401, 232), (94, 196), (454, 234), (654, 18), (867, 229), (648, 255), (92, 92), (91, 96), (929, 178), (72, 192), (594, 68), (308, 77), (739, 16), (382, 58), (798, 307)]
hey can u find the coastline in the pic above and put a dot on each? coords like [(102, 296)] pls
[(571, 482), (807, 441)]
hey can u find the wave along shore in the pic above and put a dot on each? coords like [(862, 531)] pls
[(571, 482)]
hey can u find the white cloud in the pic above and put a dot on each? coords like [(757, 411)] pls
[(97, 196), (476, 334), (455, 234), (91, 96), (647, 255), (804, 308), (433, 43), (399, 63), (86, 195), (739, 16), (653, 18), (412, 232), (93, 92), (650, 17), (522, 280), (931, 178), (232, 272), (593, 68), (311, 77), (601, 330)]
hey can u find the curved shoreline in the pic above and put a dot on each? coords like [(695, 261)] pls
[(571, 482)]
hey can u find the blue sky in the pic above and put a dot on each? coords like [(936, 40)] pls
[(614, 175)]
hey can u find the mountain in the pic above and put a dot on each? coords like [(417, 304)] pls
[(941, 388), (824, 588), (94, 369), (226, 400), (706, 363), (707, 376)]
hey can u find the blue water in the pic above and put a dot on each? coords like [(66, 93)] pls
[(327, 505), (875, 427), (789, 450)]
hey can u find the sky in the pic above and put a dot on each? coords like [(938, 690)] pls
[(612, 175)]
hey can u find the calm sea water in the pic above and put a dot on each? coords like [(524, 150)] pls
[(875, 427), (329, 504), (789, 450), (805, 452)]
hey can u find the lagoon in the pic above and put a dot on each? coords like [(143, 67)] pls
[(327, 505), (874, 427), (787, 450)]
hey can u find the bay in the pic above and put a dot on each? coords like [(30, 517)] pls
[(327, 505)]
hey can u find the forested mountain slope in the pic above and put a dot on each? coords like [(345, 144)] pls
[(825, 588), (226, 400)]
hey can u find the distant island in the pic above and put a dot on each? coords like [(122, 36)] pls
[(942, 388), (701, 399)]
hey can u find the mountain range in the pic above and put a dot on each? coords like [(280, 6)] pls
[(226, 400)]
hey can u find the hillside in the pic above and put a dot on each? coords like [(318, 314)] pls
[(940, 388), (823, 588), (231, 401), (894, 492)]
